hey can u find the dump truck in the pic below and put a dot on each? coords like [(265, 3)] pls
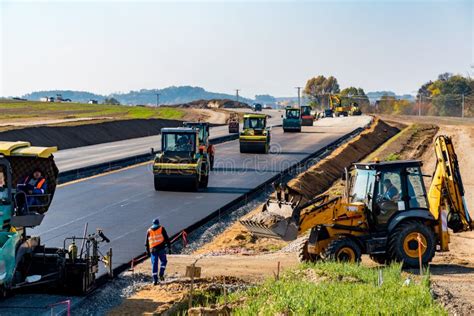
[(233, 123), (255, 137), (292, 120), (386, 212), (182, 163), (204, 142), (307, 119), (24, 261)]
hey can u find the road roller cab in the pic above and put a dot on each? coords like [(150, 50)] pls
[(255, 137), (307, 118), (292, 120), (355, 109), (203, 135), (182, 163)]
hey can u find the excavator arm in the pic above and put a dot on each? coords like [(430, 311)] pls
[(446, 193), (334, 102)]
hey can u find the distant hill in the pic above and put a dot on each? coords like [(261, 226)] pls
[(376, 95), (170, 95)]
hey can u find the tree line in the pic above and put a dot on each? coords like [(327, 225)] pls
[(318, 90), (444, 96)]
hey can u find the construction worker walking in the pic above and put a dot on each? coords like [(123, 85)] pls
[(156, 242)]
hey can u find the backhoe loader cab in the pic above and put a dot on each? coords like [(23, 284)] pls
[(389, 189), (182, 162)]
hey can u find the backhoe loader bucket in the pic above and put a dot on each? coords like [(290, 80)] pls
[(278, 219)]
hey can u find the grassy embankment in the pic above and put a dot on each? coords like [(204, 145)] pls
[(336, 288), (20, 110)]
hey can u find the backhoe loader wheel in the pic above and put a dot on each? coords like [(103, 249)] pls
[(403, 243), (303, 254), (343, 249)]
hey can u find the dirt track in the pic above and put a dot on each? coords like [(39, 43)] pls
[(453, 272)]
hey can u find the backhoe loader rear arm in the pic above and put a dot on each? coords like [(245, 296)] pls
[(446, 193)]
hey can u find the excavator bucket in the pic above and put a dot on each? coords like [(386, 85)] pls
[(278, 219)]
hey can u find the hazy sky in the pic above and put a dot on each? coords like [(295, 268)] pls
[(259, 47)]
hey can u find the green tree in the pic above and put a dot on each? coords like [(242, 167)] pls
[(111, 101), (445, 94), (318, 88), (358, 96)]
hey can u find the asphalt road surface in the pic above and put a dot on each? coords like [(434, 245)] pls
[(123, 203), (76, 158)]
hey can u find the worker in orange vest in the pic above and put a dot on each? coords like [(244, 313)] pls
[(156, 242), (34, 185)]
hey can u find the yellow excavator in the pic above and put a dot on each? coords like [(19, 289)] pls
[(385, 212), (337, 107)]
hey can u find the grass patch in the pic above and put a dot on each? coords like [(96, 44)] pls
[(392, 157), (334, 288), (31, 109)]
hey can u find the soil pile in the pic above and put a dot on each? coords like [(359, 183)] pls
[(411, 143), (213, 103), (65, 137), (171, 298), (322, 175)]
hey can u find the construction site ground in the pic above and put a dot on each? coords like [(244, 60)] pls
[(21, 114), (237, 254)]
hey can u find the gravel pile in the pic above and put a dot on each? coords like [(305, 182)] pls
[(112, 294), (209, 231)]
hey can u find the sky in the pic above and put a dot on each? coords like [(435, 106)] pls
[(259, 47)]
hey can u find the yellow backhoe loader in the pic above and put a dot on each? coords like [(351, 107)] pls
[(385, 212)]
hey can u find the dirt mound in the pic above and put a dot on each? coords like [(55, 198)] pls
[(171, 298), (88, 134), (321, 176), (411, 143), (213, 104)]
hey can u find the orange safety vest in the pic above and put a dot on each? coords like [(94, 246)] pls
[(39, 184), (155, 237)]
